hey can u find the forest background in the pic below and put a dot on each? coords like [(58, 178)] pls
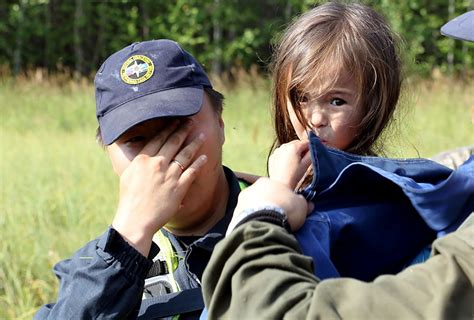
[(57, 189), (224, 35)]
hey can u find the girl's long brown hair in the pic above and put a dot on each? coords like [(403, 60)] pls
[(332, 37)]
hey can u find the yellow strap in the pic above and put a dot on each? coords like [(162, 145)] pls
[(170, 257), (243, 184)]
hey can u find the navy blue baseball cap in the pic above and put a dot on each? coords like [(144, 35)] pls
[(147, 80), (461, 27)]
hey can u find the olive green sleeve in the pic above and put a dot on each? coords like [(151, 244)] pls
[(258, 272)]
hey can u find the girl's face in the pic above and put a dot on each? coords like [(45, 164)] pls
[(333, 115)]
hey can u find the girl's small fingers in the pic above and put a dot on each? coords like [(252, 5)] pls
[(301, 147), (297, 146), (304, 144), (306, 159)]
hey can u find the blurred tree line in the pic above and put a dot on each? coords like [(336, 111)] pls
[(224, 35)]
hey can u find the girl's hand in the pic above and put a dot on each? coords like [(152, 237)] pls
[(154, 184), (289, 162), (266, 192)]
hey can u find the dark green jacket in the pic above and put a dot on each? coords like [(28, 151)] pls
[(258, 272)]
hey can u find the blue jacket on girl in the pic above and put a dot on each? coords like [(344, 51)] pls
[(374, 215)]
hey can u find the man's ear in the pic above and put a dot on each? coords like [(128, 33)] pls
[(222, 131), (114, 167)]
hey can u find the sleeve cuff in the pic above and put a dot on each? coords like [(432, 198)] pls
[(270, 214), (115, 248)]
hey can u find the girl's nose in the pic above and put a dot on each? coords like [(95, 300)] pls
[(318, 118)]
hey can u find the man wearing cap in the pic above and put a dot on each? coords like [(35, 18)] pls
[(160, 122), (258, 271)]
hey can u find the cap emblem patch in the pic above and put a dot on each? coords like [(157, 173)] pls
[(137, 69)]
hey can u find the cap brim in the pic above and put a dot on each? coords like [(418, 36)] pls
[(176, 102), (461, 27)]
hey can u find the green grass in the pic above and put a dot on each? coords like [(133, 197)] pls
[(58, 190), (434, 117)]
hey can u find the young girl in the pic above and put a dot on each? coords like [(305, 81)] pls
[(337, 74)]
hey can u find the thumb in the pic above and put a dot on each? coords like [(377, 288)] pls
[(310, 207)]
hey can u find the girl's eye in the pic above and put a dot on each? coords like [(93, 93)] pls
[(304, 98), (337, 102), (298, 97)]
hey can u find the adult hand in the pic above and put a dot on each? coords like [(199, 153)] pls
[(266, 192), (247, 177), (154, 184), (289, 162)]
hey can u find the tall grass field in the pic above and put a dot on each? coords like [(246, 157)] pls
[(58, 190)]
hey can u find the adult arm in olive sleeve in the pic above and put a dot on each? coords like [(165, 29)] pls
[(258, 271)]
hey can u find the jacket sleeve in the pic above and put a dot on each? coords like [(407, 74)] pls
[(103, 280), (259, 272)]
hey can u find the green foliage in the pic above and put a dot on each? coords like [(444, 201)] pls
[(418, 23), (223, 34)]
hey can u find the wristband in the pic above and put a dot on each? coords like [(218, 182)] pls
[(270, 213)]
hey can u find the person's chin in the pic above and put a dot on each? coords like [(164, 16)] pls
[(185, 208), (180, 222)]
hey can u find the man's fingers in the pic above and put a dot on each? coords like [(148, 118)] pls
[(189, 175), (157, 142), (175, 142), (185, 156)]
